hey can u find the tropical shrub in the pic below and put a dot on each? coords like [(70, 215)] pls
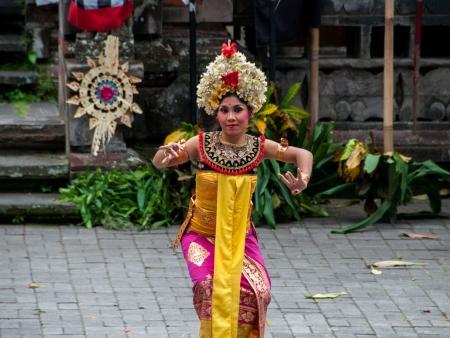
[(279, 118), (391, 178), (146, 197)]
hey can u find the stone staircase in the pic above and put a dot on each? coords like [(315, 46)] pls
[(33, 163)]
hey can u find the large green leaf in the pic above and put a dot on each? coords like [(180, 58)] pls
[(348, 149), (335, 190), (433, 196), (371, 163), (314, 211), (286, 196), (295, 112), (275, 166), (268, 209), (292, 91), (372, 219), (267, 109), (269, 92), (428, 168), (264, 177), (401, 168)]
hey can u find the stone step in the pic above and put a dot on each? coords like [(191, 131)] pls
[(33, 165), (41, 127), (36, 206), (12, 43), (17, 77)]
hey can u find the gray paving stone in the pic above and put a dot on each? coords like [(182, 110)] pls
[(100, 283)]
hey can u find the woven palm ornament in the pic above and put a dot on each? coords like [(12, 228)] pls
[(105, 94)]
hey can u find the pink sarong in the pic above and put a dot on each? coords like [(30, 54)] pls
[(198, 252)]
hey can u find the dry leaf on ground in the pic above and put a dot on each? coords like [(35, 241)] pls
[(417, 235), (375, 271), (326, 295), (393, 263), (34, 285)]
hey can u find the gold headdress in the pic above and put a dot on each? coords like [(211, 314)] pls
[(230, 72)]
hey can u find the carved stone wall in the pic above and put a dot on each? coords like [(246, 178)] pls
[(351, 65), (351, 72)]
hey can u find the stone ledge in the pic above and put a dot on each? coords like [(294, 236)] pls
[(18, 165), (17, 77), (12, 43), (42, 127), (38, 113), (130, 159), (405, 126), (36, 205), (287, 62)]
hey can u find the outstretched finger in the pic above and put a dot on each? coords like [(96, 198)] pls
[(291, 176), (284, 180), (173, 153), (165, 146), (167, 159)]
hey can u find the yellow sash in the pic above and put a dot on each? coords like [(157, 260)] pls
[(233, 195)]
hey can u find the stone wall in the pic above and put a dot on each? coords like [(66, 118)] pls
[(351, 72), (351, 64)]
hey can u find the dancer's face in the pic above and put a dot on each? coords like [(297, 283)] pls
[(233, 116)]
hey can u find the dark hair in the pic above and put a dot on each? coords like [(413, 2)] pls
[(228, 94)]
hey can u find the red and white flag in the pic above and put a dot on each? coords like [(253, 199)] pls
[(99, 15)]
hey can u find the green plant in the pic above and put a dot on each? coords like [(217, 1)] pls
[(273, 201), (186, 131), (19, 99), (279, 118), (391, 178), (119, 199), (44, 90), (18, 219)]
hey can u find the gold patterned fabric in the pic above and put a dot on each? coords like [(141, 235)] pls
[(252, 307), (197, 254), (258, 279), (203, 219), (248, 307)]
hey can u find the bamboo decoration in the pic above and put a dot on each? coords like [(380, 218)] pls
[(314, 77), (105, 94), (388, 77)]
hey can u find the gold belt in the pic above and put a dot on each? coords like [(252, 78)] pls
[(202, 221)]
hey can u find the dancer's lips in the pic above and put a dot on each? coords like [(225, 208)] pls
[(231, 125)]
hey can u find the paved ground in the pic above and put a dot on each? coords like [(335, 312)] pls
[(100, 283)]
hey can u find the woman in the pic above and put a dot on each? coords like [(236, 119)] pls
[(230, 282)]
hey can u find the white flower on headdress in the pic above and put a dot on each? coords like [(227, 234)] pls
[(230, 72)]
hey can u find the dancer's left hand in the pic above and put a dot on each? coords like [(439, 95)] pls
[(295, 184)]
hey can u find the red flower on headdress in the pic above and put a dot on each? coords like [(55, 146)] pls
[(228, 49), (231, 79)]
